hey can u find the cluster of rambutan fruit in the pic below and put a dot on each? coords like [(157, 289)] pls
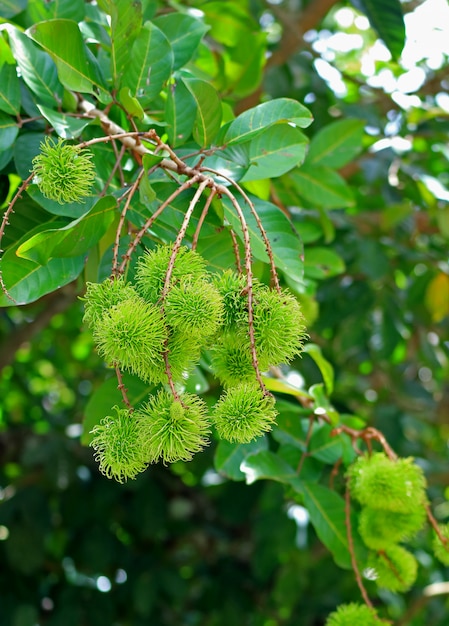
[(158, 330)]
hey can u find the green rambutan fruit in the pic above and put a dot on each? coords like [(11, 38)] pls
[(118, 446), (194, 308), (100, 297), (63, 172), (232, 288), (381, 483), (244, 413), (132, 335), (231, 360), (380, 529), (394, 568), (440, 549), (354, 615), (279, 330), (152, 267), (173, 430)]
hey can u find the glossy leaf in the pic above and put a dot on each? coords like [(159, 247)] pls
[(36, 68), (65, 126), (78, 69), (258, 119), (336, 144), (322, 186), (327, 514), (69, 209), (324, 447), (208, 110), (180, 113), (184, 33), (9, 8), (150, 66), (229, 456), (73, 239), (285, 242), (107, 396), (275, 152), (27, 281), (326, 369), (126, 20), (131, 104), (267, 465), (387, 19), (51, 9), (8, 131), (10, 89), (322, 262)]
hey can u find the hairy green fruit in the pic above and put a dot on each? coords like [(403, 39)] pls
[(244, 413), (278, 327), (381, 483), (101, 297), (354, 615), (232, 288), (231, 360), (152, 268), (380, 529), (394, 568), (194, 308), (118, 446), (63, 172), (441, 550), (132, 335), (173, 430)]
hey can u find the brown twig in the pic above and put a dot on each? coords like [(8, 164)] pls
[(235, 245), (122, 388), (203, 217)]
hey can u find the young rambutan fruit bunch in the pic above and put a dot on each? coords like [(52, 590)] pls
[(440, 549), (382, 483), (183, 354), (279, 329), (354, 615), (118, 446), (231, 360), (194, 308), (173, 429), (63, 172), (380, 529), (101, 297), (132, 335), (244, 413), (394, 568), (151, 270)]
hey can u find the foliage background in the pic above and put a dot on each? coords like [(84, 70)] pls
[(182, 544)]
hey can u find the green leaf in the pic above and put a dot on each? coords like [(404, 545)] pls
[(324, 447), (208, 111), (285, 242), (50, 9), (27, 281), (229, 456), (322, 263), (126, 21), (184, 34), (322, 186), (26, 147), (107, 396), (69, 209), (275, 152), (131, 104), (8, 131), (10, 90), (78, 69), (326, 369), (267, 465), (257, 120), (180, 114), (65, 126), (387, 19), (327, 514), (150, 64), (10, 8), (73, 239), (336, 144), (36, 68)]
